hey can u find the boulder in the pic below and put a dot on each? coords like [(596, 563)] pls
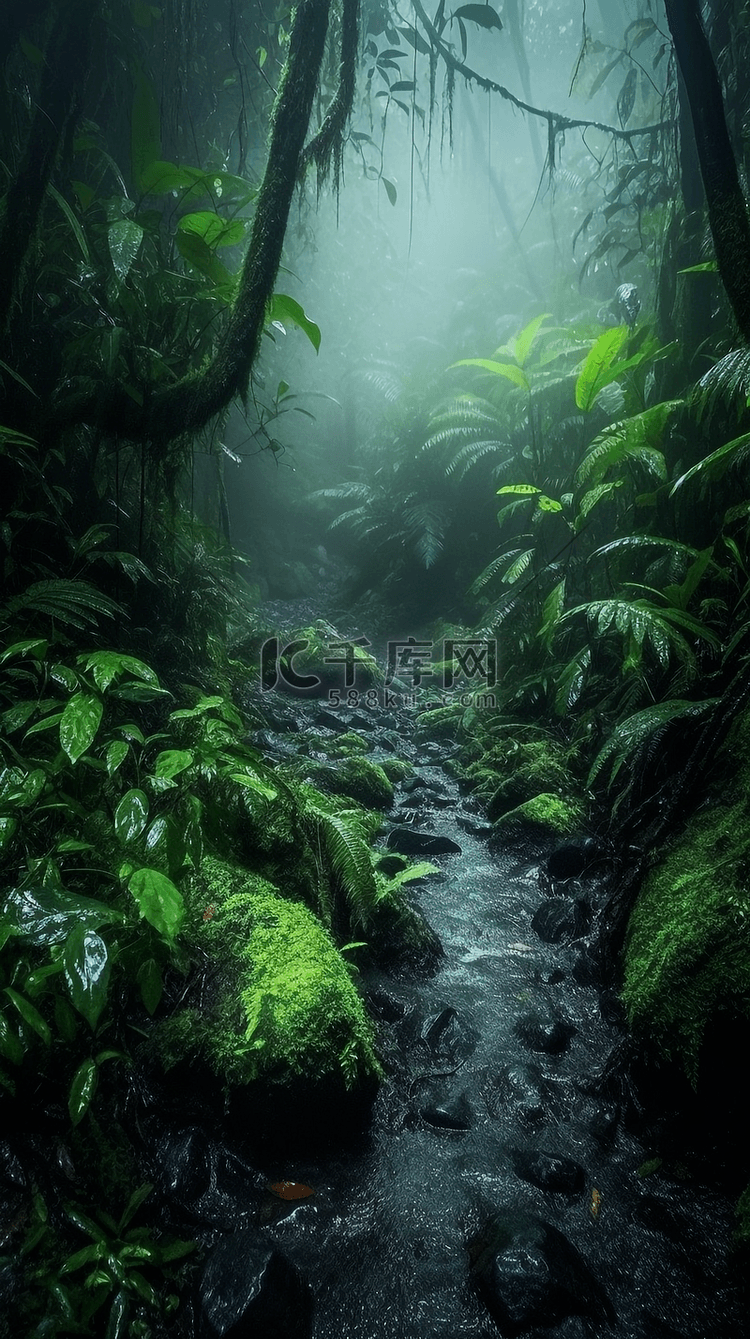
[(528, 1274), (548, 1171), (544, 1032), (249, 1290), (448, 1113), (448, 1037), (559, 920), (411, 842)]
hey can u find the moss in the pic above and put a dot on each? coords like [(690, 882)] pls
[(341, 746), (511, 772), (285, 1006), (396, 769), (441, 723), (687, 955), (359, 778), (547, 811)]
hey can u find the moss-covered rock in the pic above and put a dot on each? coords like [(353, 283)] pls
[(347, 745), (358, 778), (284, 1005), (687, 956), (396, 769), (544, 815)]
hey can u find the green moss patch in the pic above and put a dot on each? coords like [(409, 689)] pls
[(285, 1005), (687, 954), (358, 778), (547, 813)]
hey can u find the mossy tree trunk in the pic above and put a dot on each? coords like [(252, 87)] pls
[(727, 210)]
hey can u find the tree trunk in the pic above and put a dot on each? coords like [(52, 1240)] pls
[(727, 211)]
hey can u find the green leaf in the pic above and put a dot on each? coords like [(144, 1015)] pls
[(283, 308), (159, 901), (173, 761), (390, 190), (73, 223), (483, 15), (198, 253), (213, 228), (87, 968), (124, 239), (150, 984), (524, 342), (133, 1205), (131, 815), (716, 464), (708, 267), (523, 490), (507, 370), (30, 1015), (116, 754), (109, 665), (47, 915), (11, 1046), (30, 646), (253, 782), (79, 723), (596, 371), (82, 1090), (631, 733)]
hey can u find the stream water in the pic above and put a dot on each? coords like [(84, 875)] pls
[(491, 1174)]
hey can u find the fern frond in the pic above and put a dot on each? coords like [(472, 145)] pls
[(631, 733), (727, 382), (635, 439), (473, 452), (76, 604)]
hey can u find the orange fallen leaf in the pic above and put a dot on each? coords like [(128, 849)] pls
[(291, 1190), (595, 1203)]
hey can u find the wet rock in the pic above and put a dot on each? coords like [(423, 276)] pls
[(650, 1327), (659, 1215), (544, 1032), (386, 1006), (523, 1087), (612, 1009), (448, 1037), (477, 826), (527, 1274), (249, 1290), (450, 1113), (392, 864), (571, 861), (204, 1179), (411, 842), (548, 1171), (559, 920), (333, 720), (602, 1121)]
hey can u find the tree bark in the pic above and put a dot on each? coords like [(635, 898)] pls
[(727, 210)]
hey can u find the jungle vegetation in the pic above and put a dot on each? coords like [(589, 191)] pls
[(577, 492)]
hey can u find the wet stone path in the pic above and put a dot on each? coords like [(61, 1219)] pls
[(493, 1189)]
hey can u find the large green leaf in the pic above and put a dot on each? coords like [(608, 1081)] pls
[(283, 308), (596, 371), (109, 665), (124, 240), (159, 901), (507, 370), (47, 915), (131, 815), (213, 228), (716, 464), (30, 1015), (631, 733), (150, 984), (79, 724), (637, 439), (198, 253), (87, 968), (173, 761)]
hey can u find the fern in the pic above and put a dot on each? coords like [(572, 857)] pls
[(75, 604), (636, 440), (344, 835), (632, 733), (727, 382)]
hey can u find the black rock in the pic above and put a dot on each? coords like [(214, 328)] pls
[(571, 861), (411, 842), (602, 1121), (386, 1006), (451, 1113), (249, 1290), (203, 1178), (527, 1274), (548, 1171), (523, 1087), (558, 920), (448, 1037), (543, 1032), (392, 864), (333, 720)]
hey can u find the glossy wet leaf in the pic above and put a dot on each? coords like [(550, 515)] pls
[(124, 240), (131, 815), (47, 915), (508, 371), (150, 984), (87, 968), (116, 754), (283, 308), (109, 665), (82, 1090), (173, 761), (159, 901), (79, 724), (30, 1015), (213, 228)]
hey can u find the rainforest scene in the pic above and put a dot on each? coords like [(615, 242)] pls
[(374, 669)]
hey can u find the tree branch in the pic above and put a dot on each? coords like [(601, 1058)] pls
[(557, 124)]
